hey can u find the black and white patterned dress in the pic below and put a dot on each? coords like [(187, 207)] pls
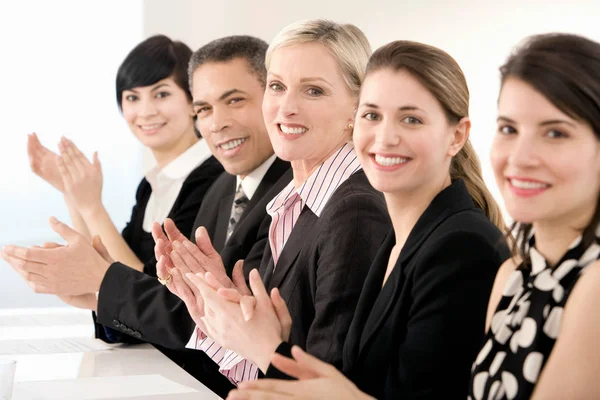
[(527, 323)]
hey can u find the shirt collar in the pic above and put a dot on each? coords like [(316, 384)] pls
[(183, 165), (252, 180), (316, 191)]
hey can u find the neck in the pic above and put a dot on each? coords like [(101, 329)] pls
[(303, 169), (405, 208), (166, 155), (553, 238)]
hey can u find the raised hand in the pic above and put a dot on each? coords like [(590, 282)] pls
[(82, 180), (43, 162)]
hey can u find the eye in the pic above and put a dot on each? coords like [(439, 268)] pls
[(314, 92), (506, 130), (235, 100), (371, 116), (131, 97), (161, 95), (276, 86), (202, 110), (411, 120), (556, 134)]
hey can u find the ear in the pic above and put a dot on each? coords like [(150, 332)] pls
[(460, 136)]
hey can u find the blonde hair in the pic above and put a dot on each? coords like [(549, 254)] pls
[(443, 77), (346, 43)]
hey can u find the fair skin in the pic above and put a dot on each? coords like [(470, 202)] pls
[(405, 144), (227, 102), (307, 106), (533, 159), (161, 117)]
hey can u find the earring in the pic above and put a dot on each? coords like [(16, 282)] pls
[(350, 126)]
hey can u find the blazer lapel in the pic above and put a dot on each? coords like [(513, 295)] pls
[(223, 219), (292, 247), (453, 199)]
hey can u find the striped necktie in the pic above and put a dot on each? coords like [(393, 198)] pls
[(240, 201)]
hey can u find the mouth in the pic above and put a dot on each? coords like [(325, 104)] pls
[(232, 144), (527, 187), (389, 162), (292, 130), (151, 128)]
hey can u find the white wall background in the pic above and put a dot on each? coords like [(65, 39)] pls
[(58, 66), (59, 61)]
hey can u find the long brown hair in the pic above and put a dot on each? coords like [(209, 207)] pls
[(443, 77), (565, 69)]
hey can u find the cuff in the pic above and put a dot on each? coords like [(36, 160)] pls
[(284, 349)]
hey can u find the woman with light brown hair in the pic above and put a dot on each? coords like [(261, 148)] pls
[(420, 317)]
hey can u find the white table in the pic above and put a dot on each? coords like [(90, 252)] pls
[(120, 360)]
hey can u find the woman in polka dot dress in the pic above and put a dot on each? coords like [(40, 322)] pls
[(543, 339)]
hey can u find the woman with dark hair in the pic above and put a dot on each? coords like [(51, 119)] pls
[(154, 98), (420, 316), (543, 320)]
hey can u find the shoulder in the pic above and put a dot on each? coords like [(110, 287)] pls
[(584, 295), (354, 195), (209, 170), (143, 191)]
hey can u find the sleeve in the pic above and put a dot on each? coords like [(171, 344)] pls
[(143, 191), (135, 304), (188, 203), (445, 325)]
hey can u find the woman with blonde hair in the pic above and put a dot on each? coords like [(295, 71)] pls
[(328, 223), (420, 317)]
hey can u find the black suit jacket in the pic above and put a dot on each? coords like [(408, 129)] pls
[(417, 337), (129, 299), (323, 265)]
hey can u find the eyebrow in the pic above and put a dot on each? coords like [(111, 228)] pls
[(304, 80), (222, 97), (153, 89), (543, 123), (401, 108)]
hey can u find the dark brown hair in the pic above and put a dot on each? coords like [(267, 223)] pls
[(565, 69), (443, 77)]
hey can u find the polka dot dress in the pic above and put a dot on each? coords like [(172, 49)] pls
[(527, 323)]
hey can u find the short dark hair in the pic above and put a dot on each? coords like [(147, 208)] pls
[(154, 59), (250, 48), (565, 69)]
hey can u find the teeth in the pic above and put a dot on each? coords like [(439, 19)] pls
[(232, 144), (389, 161), (528, 184), (292, 131), (150, 127)]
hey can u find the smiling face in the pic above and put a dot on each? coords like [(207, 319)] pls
[(307, 105), (227, 102), (546, 163), (402, 135), (159, 115)]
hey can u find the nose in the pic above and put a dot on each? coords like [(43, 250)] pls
[(288, 105), (524, 151), (147, 108), (219, 120), (386, 134)]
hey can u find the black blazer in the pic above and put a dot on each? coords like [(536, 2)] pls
[(137, 304), (184, 209), (323, 265), (417, 337)]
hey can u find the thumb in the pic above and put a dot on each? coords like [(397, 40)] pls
[(203, 242), (97, 164), (101, 249), (238, 278), (320, 368), (67, 233)]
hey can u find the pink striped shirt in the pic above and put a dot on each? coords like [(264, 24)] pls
[(284, 210)]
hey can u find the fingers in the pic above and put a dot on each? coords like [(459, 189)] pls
[(229, 294), (71, 161), (204, 244), (292, 368), (283, 314), (322, 369), (172, 231), (161, 267), (63, 171), (163, 249), (212, 281), (251, 394), (67, 233), (51, 245), (32, 152), (26, 269), (238, 278), (279, 387), (96, 162), (25, 254), (258, 288), (248, 305), (183, 260), (101, 249)]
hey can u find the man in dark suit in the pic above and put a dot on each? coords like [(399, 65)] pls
[(227, 88)]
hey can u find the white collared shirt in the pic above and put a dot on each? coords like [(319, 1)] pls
[(253, 179), (166, 183)]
